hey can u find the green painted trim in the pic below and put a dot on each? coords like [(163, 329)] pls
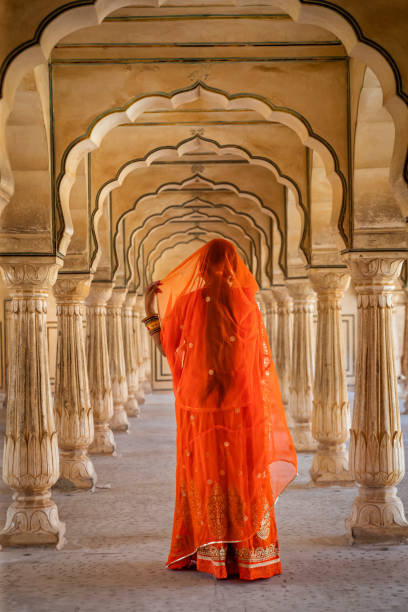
[(323, 3), (350, 170), (110, 236), (89, 197), (283, 255), (205, 45), (55, 208), (193, 60), (364, 39), (200, 16)]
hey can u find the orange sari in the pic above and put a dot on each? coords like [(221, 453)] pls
[(234, 451)]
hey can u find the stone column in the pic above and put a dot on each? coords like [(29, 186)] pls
[(100, 384), (271, 318), (72, 402), (282, 355), (301, 379), (144, 343), (129, 347), (376, 446), (331, 410), (404, 358), (117, 360), (30, 459), (140, 395)]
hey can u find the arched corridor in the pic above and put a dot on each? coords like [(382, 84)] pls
[(132, 134), (118, 540)]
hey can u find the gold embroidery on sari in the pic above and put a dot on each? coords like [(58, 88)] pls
[(216, 509), (256, 555), (263, 532), (212, 553)]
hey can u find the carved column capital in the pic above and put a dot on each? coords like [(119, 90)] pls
[(301, 291), (22, 277), (374, 272), (117, 298), (281, 295), (72, 287), (330, 282), (130, 300)]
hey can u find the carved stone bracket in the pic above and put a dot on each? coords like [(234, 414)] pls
[(100, 384), (72, 401), (129, 347), (331, 411), (31, 459), (376, 448), (117, 364), (301, 380)]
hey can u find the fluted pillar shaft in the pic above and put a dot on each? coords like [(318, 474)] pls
[(117, 360), (72, 402), (271, 318), (404, 358), (141, 374), (282, 355), (376, 446), (301, 380), (30, 459), (331, 410), (129, 347), (100, 385), (144, 347)]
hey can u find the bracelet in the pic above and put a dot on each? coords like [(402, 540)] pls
[(154, 317), (154, 331)]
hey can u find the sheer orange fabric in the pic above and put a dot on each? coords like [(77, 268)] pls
[(234, 451)]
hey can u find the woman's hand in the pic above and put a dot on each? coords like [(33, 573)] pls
[(150, 293)]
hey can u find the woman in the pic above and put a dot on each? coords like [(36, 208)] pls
[(234, 451)]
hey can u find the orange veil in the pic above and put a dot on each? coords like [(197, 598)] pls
[(234, 451)]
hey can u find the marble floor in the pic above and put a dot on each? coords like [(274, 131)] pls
[(118, 540)]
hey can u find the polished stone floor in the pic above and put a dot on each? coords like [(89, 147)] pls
[(118, 540)]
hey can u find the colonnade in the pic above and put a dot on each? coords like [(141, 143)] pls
[(101, 379), (103, 375), (314, 389)]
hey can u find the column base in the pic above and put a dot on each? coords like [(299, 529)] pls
[(140, 396), (330, 467), (103, 442), (132, 407), (302, 437), (119, 420), (147, 387), (32, 520), (377, 515), (77, 468)]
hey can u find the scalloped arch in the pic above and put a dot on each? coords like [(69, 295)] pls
[(65, 20), (184, 147), (210, 217), (213, 185)]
